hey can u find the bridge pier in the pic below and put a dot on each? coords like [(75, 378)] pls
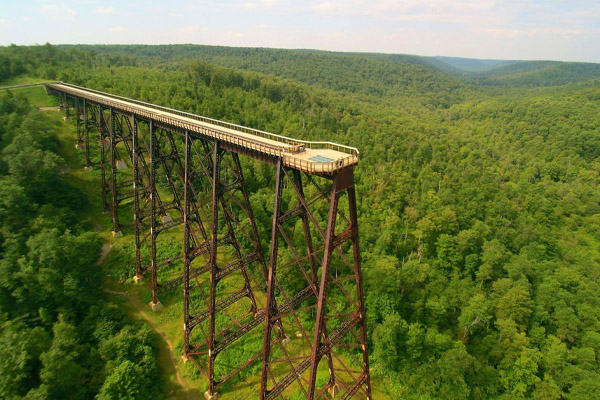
[(333, 390), (64, 105), (155, 306), (211, 395), (103, 136), (219, 170), (333, 248), (313, 271)]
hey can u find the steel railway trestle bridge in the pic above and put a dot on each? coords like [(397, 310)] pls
[(187, 180)]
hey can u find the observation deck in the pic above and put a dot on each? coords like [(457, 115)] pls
[(319, 158)]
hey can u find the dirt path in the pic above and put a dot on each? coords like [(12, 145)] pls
[(106, 247), (103, 253), (55, 108), (139, 307)]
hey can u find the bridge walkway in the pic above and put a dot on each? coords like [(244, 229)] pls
[(320, 158)]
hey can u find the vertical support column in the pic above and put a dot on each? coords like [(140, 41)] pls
[(136, 199), (307, 235), (359, 287), (113, 175), (321, 299), (216, 193), (155, 304), (231, 231), (248, 208), (253, 228), (65, 106), (102, 132), (78, 123), (313, 265), (255, 235), (86, 129), (186, 245), (270, 311)]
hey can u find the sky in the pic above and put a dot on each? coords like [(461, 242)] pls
[(566, 30)]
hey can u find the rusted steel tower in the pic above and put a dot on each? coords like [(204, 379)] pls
[(299, 311)]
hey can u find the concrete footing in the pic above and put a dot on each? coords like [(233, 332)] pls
[(209, 396), (137, 279), (88, 168), (165, 219), (156, 306), (286, 340), (120, 164), (298, 334), (117, 234), (333, 390)]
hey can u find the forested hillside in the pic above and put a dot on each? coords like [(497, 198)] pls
[(458, 64), (537, 73), (479, 212), (382, 75), (59, 337)]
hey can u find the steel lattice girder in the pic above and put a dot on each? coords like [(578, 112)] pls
[(300, 288), (340, 322), (156, 211), (230, 212)]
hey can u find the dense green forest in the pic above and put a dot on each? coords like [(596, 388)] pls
[(59, 337), (375, 73), (479, 213)]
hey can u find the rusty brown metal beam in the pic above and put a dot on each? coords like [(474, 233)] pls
[(339, 331)]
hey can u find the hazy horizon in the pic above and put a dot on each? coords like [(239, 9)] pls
[(309, 49), (493, 30)]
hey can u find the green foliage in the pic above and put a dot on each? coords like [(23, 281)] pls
[(478, 208), (538, 73), (126, 381), (55, 325)]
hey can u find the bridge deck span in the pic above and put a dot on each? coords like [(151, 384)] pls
[(213, 206), (322, 158)]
